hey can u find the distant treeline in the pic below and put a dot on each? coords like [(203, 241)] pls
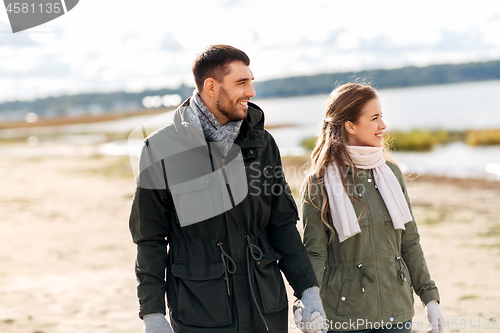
[(98, 103), (84, 104), (380, 78)]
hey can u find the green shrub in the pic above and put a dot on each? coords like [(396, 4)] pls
[(425, 140), (484, 137), (416, 139), (309, 143)]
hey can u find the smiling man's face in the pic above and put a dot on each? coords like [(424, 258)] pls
[(234, 92)]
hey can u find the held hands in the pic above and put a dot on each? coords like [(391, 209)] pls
[(435, 317), (309, 314), (156, 323), (314, 326)]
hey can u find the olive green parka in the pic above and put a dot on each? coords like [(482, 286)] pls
[(369, 278)]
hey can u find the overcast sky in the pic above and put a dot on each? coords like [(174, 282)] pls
[(104, 45)]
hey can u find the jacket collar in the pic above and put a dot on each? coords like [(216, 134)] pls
[(251, 131)]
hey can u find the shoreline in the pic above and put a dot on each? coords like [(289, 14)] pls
[(298, 164), (294, 166)]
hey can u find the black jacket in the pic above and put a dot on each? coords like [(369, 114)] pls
[(223, 270)]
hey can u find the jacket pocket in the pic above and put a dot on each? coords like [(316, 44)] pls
[(192, 200), (270, 283), (358, 293), (403, 289), (202, 296), (393, 235), (343, 297), (365, 221)]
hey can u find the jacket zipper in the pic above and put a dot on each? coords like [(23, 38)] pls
[(227, 182), (223, 162)]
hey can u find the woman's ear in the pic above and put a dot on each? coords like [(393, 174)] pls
[(349, 126)]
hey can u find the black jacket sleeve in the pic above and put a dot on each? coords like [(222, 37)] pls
[(283, 234), (150, 227)]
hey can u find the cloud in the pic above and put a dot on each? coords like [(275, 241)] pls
[(52, 69), (46, 68), (17, 41), (155, 43), (169, 43), (461, 41), (7, 38)]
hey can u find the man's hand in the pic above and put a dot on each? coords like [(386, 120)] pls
[(435, 317), (314, 326), (156, 323), (310, 313)]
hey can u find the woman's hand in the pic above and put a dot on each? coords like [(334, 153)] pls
[(313, 326), (435, 317)]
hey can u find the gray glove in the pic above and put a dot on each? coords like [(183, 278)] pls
[(156, 323), (312, 303)]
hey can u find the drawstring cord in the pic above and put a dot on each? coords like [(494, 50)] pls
[(364, 273), (401, 273), (226, 259), (251, 248)]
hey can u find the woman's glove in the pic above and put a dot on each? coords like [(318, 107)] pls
[(435, 317), (310, 315), (156, 323)]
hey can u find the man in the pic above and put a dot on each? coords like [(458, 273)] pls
[(213, 210)]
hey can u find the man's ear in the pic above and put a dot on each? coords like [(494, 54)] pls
[(210, 87), (349, 126)]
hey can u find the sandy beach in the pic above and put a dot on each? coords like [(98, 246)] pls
[(67, 258)]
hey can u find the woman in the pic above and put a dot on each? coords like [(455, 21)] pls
[(358, 227)]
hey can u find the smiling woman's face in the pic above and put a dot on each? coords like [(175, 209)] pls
[(367, 130)]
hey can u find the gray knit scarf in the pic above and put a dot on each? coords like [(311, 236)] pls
[(223, 134)]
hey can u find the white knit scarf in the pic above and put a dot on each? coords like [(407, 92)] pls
[(344, 218)]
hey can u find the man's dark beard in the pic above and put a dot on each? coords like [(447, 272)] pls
[(228, 113)]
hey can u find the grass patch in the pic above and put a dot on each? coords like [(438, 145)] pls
[(18, 200), (422, 204), (118, 168), (416, 140), (34, 159), (491, 232), (466, 297), (425, 140), (58, 121), (486, 137), (13, 140), (490, 246), (309, 143), (439, 217)]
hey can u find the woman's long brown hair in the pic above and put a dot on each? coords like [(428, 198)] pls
[(344, 104)]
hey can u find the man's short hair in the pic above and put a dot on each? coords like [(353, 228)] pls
[(214, 62)]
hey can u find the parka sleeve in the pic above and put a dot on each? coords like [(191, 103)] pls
[(150, 226), (413, 255), (285, 238), (316, 236)]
